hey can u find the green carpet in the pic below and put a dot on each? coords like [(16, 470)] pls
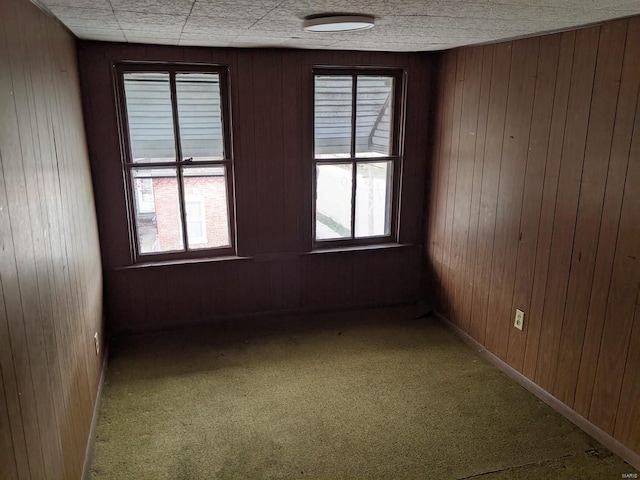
[(368, 394)]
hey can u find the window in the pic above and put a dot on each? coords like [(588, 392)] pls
[(177, 159), (357, 155)]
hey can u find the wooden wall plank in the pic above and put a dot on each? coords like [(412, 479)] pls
[(491, 175), (12, 385), (268, 142), (450, 232), (532, 194), (465, 177), (15, 192), (13, 430), (245, 155), (594, 174), (8, 465), (38, 183), (567, 203), (35, 306), (624, 296), (627, 427), (474, 253), (448, 67), (618, 162), (549, 193), (431, 252), (292, 151), (414, 166), (328, 280), (509, 204)]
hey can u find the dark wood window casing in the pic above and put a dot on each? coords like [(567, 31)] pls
[(394, 156), (180, 163)]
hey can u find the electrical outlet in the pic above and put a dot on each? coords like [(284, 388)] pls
[(96, 341), (519, 322)]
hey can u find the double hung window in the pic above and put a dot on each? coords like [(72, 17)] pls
[(357, 155), (175, 131)]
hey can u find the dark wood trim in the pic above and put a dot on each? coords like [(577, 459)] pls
[(122, 119), (227, 135), (179, 158), (354, 117), (352, 151), (186, 162), (325, 244), (398, 120)]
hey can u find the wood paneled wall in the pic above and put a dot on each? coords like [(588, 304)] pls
[(50, 272), (535, 204), (272, 126)]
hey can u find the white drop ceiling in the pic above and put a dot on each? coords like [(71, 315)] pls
[(406, 25)]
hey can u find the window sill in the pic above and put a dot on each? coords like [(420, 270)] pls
[(359, 248), (258, 258), (184, 261)]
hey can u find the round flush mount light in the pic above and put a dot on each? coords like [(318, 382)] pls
[(338, 23)]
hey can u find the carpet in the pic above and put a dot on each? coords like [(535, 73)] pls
[(368, 394)]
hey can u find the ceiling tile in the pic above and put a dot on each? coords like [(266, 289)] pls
[(85, 17), (235, 24), (205, 41), (425, 23), (173, 7), (152, 24), (304, 43), (470, 9), (250, 42), (84, 32), (145, 18), (249, 9), (93, 4), (164, 40)]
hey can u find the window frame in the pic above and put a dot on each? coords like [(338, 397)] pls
[(396, 157), (173, 68)]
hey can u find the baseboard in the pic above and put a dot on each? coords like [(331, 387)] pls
[(257, 316), (88, 454), (601, 436)]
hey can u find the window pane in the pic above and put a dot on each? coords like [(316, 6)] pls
[(157, 209), (373, 199), (150, 118), (332, 116), (373, 116), (333, 201), (200, 116), (205, 191)]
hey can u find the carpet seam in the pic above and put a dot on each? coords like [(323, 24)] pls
[(541, 462)]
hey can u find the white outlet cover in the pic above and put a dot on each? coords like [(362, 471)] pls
[(519, 321)]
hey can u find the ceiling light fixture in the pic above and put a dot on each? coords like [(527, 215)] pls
[(338, 23)]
